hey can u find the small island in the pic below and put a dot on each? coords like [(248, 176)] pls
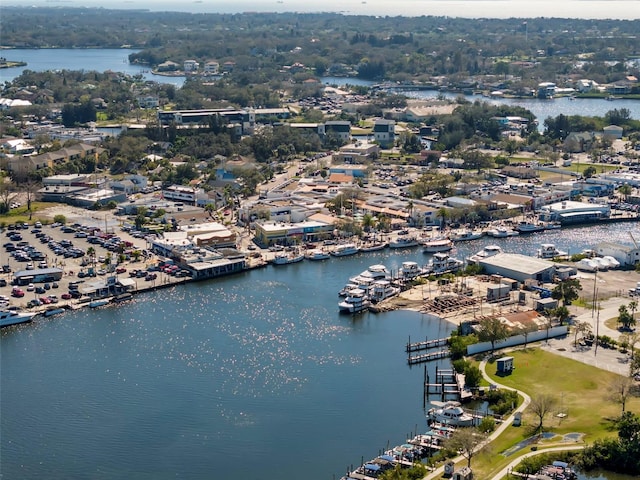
[(4, 63)]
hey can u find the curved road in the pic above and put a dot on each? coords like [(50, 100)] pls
[(437, 473)]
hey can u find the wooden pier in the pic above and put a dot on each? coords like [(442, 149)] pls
[(427, 357), (448, 383), (426, 345)]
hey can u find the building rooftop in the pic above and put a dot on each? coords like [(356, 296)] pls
[(518, 262)]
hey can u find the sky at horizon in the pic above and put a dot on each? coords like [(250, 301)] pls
[(586, 9)]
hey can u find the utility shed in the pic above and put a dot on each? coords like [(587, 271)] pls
[(504, 365), (519, 267), (542, 304)]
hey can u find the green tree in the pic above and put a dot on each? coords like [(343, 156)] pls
[(567, 291), (492, 330), (625, 318), (59, 218)]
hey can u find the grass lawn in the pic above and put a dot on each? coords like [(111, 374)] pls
[(22, 215), (581, 392)]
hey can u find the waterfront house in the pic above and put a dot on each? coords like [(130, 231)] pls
[(190, 66)]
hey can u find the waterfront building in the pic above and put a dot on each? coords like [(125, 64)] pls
[(180, 193), (276, 233), (209, 234), (627, 256), (567, 212), (108, 287), (208, 263), (519, 267)]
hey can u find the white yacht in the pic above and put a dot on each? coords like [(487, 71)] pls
[(404, 242), (317, 254), (587, 265), (373, 273), (486, 252), (437, 245), (502, 232), (451, 414), (528, 227), (549, 250), (285, 258), (466, 235), (9, 317), (345, 249), (356, 301), (381, 290), (411, 270), (443, 263)]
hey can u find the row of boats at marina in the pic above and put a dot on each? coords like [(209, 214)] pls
[(429, 245)]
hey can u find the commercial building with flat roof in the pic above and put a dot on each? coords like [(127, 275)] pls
[(272, 233), (519, 267), (574, 212)]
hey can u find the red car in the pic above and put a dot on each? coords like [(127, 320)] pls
[(66, 296), (121, 270), (45, 300)]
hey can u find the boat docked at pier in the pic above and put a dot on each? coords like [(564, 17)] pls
[(345, 249), (450, 414), (9, 317), (549, 250), (51, 311), (502, 232), (528, 227), (381, 290), (371, 274), (411, 270), (99, 303), (443, 263), (285, 258), (317, 254), (435, 245), (466, 235), (486, 252), (373, 246), (356, 301), (404, 242)]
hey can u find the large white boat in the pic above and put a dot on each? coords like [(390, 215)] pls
[(373, 246), (373, 273), (411, 270), (549, 250), (528, 227), (442, 263), (404, 242), (466, 235), (345, 249), (355, 301), (286, 258), (486, 252), (317, 254), (452, 414), (437, 245), (9, 317), (381, 290), (502, 232)]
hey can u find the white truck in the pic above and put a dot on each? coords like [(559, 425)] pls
[(635, 291)]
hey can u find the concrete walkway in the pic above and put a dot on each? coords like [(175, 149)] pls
[(506, 423)]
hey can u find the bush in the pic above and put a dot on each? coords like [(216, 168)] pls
[(487, 425), (60, 219)]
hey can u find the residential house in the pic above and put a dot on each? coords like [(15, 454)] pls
[(21, 165), (211, 68), (168, 66), (190, 66)]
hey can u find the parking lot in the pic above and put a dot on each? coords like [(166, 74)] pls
[(76, 255)]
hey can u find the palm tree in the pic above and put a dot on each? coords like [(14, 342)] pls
[(410, 210)]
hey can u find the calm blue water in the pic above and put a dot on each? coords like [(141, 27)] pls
[(251, 376), (100, 60), (117, 60)]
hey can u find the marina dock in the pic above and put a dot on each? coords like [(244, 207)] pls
[(448, 383), (426, 345)]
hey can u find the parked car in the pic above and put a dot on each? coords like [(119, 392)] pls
[(31, 287), (40, 290), (66, 296)]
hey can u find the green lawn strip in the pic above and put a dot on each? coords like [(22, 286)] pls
[(21, 214), (581, 391)]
